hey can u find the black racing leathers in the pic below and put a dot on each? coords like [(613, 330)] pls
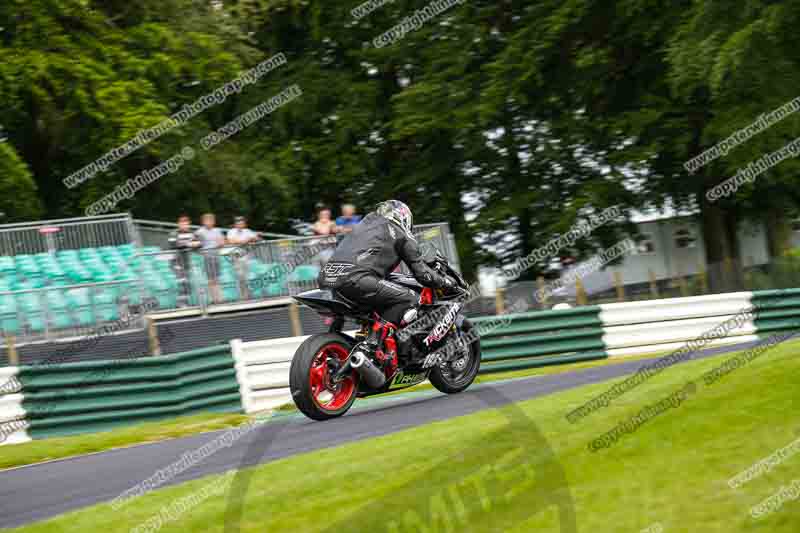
[(366, 256)]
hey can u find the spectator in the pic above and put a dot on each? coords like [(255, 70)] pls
[(183, 240), (348, 219), (241, 236), (324, 224), (211, 238)]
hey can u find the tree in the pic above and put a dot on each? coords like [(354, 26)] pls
[(18, 198)]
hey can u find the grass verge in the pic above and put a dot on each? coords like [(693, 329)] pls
[(60, 447)]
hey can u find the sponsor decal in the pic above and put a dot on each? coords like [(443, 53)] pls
[(441, 329), (407, 380), (431, 360)]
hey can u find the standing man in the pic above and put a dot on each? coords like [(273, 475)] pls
[(324, 224), (184, 240), (241, 236), (211, 238), (324, 227), (348, 219)]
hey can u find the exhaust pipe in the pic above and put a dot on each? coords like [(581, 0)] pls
[(371, 374)]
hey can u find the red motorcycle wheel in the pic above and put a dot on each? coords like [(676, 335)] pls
[(309, 378), (330, 397)]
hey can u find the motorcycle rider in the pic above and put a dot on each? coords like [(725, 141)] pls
[(369, 253)]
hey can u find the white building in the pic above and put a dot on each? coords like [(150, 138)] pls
[(672, 246)]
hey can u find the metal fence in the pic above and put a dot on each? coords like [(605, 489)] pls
[(154, 233), (47, 236), (247, 273)]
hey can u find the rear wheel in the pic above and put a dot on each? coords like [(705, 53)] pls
[(313, 391), (455, 376)]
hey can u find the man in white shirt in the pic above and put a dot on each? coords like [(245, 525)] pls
[(242, 236), (211, 238)]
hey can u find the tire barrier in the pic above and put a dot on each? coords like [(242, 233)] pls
[(72, 398), (50, 400), (540, 338)]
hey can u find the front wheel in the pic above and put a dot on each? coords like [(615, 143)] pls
[(313, 391), (455, 376)]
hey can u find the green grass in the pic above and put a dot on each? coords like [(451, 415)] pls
[(673, 470), (61, 447)]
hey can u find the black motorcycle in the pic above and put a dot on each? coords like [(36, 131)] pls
[(330, 370)]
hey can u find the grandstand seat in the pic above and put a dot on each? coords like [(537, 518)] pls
[(304, 273), (275, 289), (9, 322), (79, 302), (31, 311), (165, 295), (7, 264), (127, 250), (105, 304), (57, 309)]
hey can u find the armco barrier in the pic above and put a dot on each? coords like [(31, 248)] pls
[(539, 338), (262, 369), (83, 397), (777, 311), (665, 325)]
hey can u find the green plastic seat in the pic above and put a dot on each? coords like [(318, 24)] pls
[(31, 310), (105, 304), (126, 250), (7, 264), (89, 254), (9, 323), (79, 303), (304, 273), (58, 310)]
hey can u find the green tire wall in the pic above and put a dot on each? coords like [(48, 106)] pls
[(74, 398)]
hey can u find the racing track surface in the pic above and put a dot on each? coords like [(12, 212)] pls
[(37, 492)]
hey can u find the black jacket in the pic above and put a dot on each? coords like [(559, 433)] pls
[(377, 246)]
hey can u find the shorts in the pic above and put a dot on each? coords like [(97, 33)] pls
[(212, 266)]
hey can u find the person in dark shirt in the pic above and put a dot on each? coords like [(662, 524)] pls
[(184, 241), (183, 238)]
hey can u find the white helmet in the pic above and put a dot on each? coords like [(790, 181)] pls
[(397, 212)]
